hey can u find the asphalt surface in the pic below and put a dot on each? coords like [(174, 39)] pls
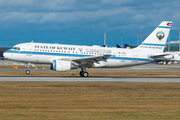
[(89, 79)]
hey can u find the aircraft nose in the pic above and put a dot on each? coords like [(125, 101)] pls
[(5, 54)]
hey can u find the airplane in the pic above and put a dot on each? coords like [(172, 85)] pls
[(63, 57)]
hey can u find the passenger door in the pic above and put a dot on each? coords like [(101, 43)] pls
[(29, 50)]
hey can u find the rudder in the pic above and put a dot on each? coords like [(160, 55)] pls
[(156, 41)]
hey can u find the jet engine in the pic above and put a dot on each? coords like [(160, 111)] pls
[(62, 65)]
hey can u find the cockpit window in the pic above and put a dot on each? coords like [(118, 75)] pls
[(15, 48)]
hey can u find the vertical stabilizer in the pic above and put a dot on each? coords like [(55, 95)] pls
[(156, 41)]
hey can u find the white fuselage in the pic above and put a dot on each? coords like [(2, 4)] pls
[(46, 53)]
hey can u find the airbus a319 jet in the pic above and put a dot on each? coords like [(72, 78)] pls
[(63, 57)]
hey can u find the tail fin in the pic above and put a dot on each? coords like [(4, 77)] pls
[(156, 41)]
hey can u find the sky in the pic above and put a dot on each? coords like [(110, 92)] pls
[(84, 22)]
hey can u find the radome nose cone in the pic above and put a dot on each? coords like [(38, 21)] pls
[(5, 54)]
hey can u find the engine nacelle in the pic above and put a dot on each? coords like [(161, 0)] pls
[(62, 65)]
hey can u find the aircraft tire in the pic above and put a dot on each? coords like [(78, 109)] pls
[(81, 73), (27, 71), (86, 74)]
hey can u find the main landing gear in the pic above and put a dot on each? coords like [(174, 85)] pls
[(83, 73)]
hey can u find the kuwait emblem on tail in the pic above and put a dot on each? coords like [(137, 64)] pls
[(160, 35)]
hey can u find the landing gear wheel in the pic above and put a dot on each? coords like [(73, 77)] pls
[(27, 71), (86, 74), (81, 73)]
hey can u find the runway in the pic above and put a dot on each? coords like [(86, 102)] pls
[(89, 79)]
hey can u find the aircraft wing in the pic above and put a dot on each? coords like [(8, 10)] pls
[(90, 60), (163, 56)]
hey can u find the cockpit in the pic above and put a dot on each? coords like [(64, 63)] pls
[(15, 48)]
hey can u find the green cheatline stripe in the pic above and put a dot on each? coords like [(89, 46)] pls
[(169, 23)]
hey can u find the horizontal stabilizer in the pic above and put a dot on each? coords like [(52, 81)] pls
[(163, 56)]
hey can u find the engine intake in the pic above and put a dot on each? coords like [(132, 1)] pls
[(62, 65)]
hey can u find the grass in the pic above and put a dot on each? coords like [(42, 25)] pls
[(89, 100)]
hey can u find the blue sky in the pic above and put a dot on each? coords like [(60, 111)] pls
[(83, 22)]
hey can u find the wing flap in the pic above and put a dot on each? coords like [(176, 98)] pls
[(90, 60)]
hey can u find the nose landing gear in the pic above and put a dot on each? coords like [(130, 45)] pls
[(27, 71)]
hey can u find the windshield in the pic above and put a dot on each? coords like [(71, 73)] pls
[(15, 48)]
